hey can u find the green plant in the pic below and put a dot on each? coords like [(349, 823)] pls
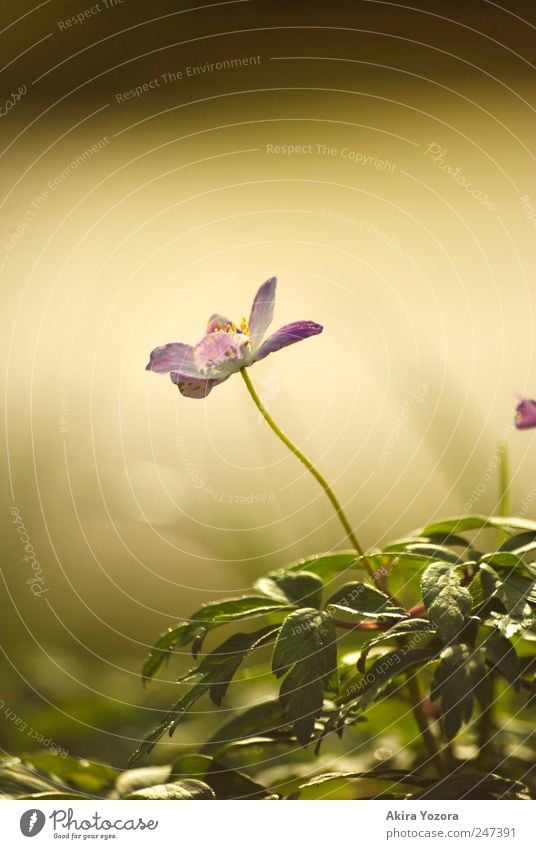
[(424, 649)]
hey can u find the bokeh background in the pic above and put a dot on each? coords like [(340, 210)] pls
[(150, 176)]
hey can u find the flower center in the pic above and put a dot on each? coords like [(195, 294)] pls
[(223, 350)]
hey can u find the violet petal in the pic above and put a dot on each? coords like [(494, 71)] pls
[(218, 322), (525, 414), (288, 335), (262, 311), (193, 387), (174, 356)]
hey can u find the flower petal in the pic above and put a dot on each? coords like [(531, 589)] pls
[(287, 335), (220, 354), (262, 311), (218, 322), (173, 357), (525, 414), (194, 387)]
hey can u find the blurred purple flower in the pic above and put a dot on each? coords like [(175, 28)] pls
[(525, 414), (226, 348)]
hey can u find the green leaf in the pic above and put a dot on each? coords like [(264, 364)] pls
[(392, 776), (297, 588), (459, 524), (515, 592), (510, 595), (511, 625), (301, 696), (327, 565), (429, 552), (19, 779), (218, 668), (208, 616), (307, 646), (132, 780), (216, 672), (306, 636), (511, 561), (171, 639), (364, 689), (520, 543), (190, 788), (448, 603), (475, 785), (226, 782), (478, 591), (234, 784), (266, 718), (459, 678), (416, 629), (356, 597), (502, 654), (169, 722), (81, 774), (57, 795)]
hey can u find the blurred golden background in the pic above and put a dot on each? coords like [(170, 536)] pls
[(158, 163)]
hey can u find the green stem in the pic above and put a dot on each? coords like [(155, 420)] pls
[(315, 473), (504, 488), (422, 722)]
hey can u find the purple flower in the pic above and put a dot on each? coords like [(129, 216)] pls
[(226, 348), (525, 414)]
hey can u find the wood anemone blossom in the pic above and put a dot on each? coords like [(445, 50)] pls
[(227, 348)]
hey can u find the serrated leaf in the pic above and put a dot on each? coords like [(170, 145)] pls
[(298, 588), (502, 654), (508, 625), (476, 591), (171, 639), (364, 689), (302, 697), (216, 672), (520, 543), (326, 565), (407, 628), (512, 562), (357, 597), (306, 636), (265, 718), (510, 594), (516, 592), (169, 722), (306, 651), (459, 678), (190, 788), (218, 668), (448, 603), (207, 617)]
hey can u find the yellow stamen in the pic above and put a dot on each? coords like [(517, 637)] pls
[(244, 326)]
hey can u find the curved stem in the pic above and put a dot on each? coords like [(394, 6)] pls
[(315, 473)]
